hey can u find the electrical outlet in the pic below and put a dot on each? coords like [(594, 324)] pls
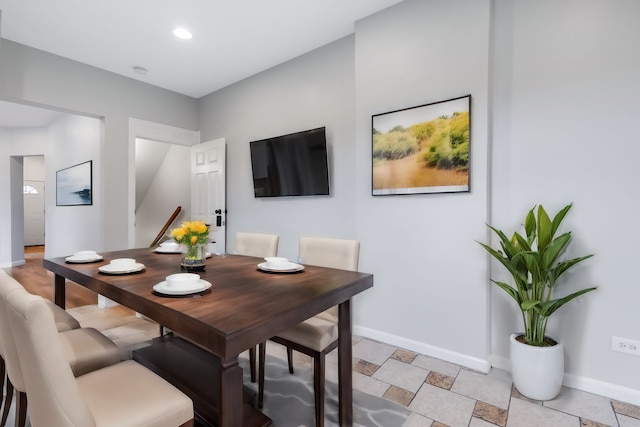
[(625, 345)]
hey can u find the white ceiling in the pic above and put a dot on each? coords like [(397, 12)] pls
[(232, 39)]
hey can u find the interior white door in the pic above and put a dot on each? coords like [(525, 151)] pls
[(208, 198), (33, 213)]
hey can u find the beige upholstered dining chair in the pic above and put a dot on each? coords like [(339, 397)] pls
[(122, 395), (317, 335), (85, 349), (257, 245)]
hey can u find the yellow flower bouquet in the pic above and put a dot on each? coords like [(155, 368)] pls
[(193, 236)]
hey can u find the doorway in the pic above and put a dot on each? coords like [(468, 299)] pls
[(33, 190), (162, 183), (168, 176)]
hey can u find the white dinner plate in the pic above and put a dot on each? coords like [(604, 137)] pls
[(115, 269), (292, 267), (162, 250), (199, 286), (82, 259)]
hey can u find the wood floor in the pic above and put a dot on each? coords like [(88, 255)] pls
[(39, 281)]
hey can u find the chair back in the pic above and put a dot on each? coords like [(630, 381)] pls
[(8, 350), (3, 275), (331, 253), (257, 244), (54, 395)]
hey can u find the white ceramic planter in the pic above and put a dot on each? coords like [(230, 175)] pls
[(537, 372)]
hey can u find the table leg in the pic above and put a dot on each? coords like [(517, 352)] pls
[(230, 393), (59, 290), (345, 380)]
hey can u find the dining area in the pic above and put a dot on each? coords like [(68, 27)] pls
[(232, 303)]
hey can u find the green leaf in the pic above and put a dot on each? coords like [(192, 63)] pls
[(528, 305), (553, 250), (521, 242), (530, 225), (559, 217), (506, 262), (565, 265), (531, 260), (509, 290), (544, 229), (500, 234), (547, 308)]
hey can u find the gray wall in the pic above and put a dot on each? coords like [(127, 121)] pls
[(67, 228), (421, 247), (74, 228), (43, 79), (311, 91), (405, 239), (565, 115)]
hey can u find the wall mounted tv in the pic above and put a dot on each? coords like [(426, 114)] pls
[(291, 165)]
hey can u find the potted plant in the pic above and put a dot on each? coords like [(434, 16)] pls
[(533, 261)]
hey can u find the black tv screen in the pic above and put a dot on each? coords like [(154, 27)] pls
[(291, 165)]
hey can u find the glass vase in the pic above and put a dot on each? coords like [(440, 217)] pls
[(194, 256)]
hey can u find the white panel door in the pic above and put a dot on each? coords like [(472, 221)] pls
[(208, 199), (33, 213)]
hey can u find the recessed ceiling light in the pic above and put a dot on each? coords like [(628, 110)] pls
[(140, 70), (182, 33)]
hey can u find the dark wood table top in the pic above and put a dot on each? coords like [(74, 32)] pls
[(245, 305)]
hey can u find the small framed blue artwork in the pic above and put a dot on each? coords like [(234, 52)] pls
[(74, 185)]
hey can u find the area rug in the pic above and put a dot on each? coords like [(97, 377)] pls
[(288, 400)]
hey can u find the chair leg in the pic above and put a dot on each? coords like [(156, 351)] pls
[(252, 363), (3, 373), (318, 386), (3, 377), (7, 402), (290, 359), (21, 409), (262, 350)]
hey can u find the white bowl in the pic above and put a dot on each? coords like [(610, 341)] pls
[(277, 262), (182, 280), (169, 245), (123, 263), (85, 254)]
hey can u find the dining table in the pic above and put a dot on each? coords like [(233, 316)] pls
[(244, 306)]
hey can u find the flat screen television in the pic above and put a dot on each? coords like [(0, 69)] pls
[(291, 165)]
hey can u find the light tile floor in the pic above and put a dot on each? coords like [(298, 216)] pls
[(438, 393)]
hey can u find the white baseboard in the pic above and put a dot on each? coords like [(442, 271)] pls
[(612, 391), (601, 388), (426, 349), (13, 264)]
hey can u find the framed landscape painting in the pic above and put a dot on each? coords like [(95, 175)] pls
[(74, 185), (422, 149)]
